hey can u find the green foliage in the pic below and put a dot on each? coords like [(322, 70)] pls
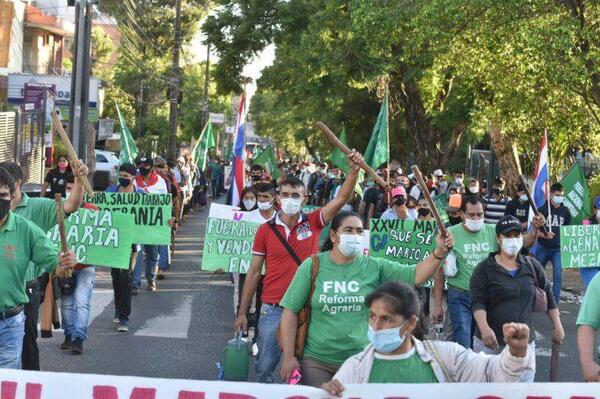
[(594, 184)]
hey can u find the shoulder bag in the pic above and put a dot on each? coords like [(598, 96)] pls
[(540, 303)]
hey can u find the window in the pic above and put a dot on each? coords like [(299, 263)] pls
[(101, 158)]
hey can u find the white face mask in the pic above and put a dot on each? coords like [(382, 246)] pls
[(350, 244), (523, 197), (558, 199), (474, 190), (474, 225), (249, 204), (512, 246), (458, 180), (291, 206), (264, 206), (412, 213)]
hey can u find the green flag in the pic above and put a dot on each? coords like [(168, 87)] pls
[(376, 153), (129, 150), (338, 158), (267, 159), (577, 194), (229, 155), (205, 142)]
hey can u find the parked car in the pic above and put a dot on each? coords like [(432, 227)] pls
[(107, 161)]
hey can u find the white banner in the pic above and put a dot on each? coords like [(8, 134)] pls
[(17, 384)]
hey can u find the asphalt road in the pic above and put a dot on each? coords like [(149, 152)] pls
[(180, 330)]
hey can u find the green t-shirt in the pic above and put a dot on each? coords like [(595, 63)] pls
[(339, 317), (589, 313), (40, 211), (23, 246), (401, 369), (470, 249)]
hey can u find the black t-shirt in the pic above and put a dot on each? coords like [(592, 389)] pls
[(58, 181), (518, 209), (560, 216)]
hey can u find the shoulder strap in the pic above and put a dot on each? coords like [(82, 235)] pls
[(532, 266), (284, 242), (436, 356), (316, 264)]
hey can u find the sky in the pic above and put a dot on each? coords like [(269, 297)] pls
[(253, 69)]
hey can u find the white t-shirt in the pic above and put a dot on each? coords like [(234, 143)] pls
[(391, 214), (159, 186), (256, 217)]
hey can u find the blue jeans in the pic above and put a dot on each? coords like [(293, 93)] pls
[(543, 255), (459, 310), (268, 347), (12, 331), (148, 256), (75, 308), (163, 257), (587, 274)]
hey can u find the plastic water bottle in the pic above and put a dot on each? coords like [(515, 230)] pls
[(220, 372)]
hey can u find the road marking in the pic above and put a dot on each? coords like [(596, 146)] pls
[(170, 326)]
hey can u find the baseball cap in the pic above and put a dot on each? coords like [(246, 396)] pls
[(398, 191), (143, 159), (438, 173), (454, 203), (508, 224), (597, 202)]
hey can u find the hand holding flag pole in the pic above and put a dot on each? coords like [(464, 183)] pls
[(531, 202), (332, 138)]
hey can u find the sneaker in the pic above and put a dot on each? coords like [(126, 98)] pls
[(123, 326), (254, 350), (160, 275), (77, 347), (151, 286), (67, 344), (116, 318), (135, 291)]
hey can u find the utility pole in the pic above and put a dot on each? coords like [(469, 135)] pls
[(80, 78), (206, 77), (175, 82), (141, 106)]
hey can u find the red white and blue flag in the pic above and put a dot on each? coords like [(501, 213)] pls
[(238, 173), (542, 175)]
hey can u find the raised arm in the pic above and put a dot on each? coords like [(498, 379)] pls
[(334, 206), (73, 203), (427, 268)]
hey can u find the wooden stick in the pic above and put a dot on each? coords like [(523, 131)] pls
[(71, 154), (332, 138), (60, 218), (47, 310), (530, 200), (425, 191)]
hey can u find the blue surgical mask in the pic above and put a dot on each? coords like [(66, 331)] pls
[(387, 340)]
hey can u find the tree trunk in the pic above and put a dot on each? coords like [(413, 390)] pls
[(504, 149)]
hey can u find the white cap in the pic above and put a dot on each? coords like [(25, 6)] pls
[(438, 173)]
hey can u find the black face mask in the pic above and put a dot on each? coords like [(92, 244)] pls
[(123, 182), (400, 201), (423, 212), (454, 220), (256, 178), (4, 208), (144, 171), (497, 191)]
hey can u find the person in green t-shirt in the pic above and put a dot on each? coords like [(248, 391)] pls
[(23, 246), (396, 355), (475, 240), (588, 321), (338, 323), (42, 212)]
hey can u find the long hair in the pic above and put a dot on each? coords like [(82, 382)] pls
[(336, 222), (244, 192)]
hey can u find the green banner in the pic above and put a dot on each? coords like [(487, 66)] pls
[(580, 246), (441, 202), (151, 213), (403, 241), (228, 245), (577, 194), (99, 238)]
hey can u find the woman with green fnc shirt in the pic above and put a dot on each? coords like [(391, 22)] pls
[(395, 356), (338, 323)]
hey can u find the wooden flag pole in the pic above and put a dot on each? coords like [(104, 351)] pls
[(425, 191), (71, 154), (530, 200), (332, 138), (60, 219), (554, 362)]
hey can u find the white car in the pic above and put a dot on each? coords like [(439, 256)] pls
[(106, 160)]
